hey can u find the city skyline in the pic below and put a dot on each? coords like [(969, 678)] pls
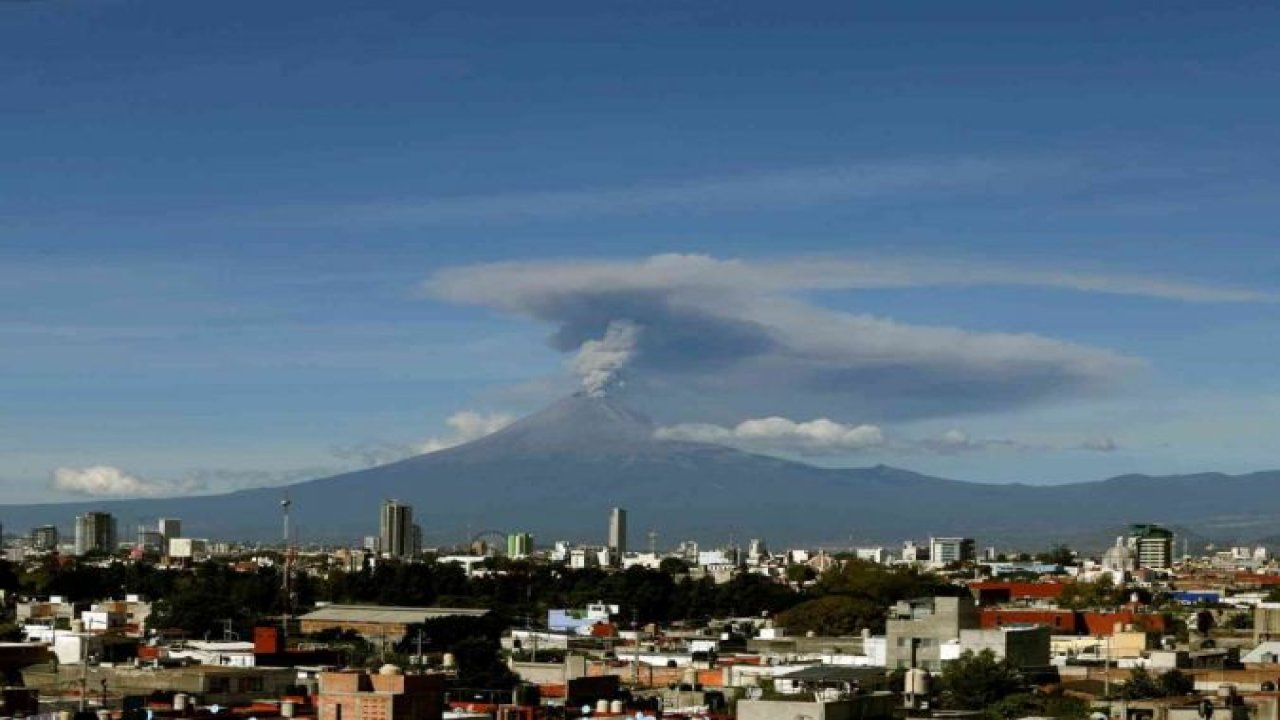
[(1028, 246)]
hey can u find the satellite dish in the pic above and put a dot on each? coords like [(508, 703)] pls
[(215, 708), (586, 709)]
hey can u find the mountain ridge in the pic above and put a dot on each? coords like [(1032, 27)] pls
[(557, 472)]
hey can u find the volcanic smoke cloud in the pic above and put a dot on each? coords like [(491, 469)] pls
[(599, 362), (722, 340)]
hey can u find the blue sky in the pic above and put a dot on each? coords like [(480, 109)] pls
[(224, 226)]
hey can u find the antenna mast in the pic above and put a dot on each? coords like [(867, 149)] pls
[(286, 580)]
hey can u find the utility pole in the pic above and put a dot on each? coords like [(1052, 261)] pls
[(1106, 674), (84, 668), (635, 659)]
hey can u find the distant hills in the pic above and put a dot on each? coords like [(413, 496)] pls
[(556, 473)]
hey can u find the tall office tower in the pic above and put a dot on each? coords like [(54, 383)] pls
[(944, 551), (1152, 546), (170, 528), (396, 532), (95, 532), (617, 533), (44, 538), (150, 540), (519, 545)]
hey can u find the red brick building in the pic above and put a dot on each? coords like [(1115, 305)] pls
[(388, 694)]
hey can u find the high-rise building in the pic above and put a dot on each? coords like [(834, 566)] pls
[(396, 531), (1152, 546), (170, 528), (617, 533), (44, 538), (519, 545), (911, 552), (95, 532), (148, 539), (945, 551)]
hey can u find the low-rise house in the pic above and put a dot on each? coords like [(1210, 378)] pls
[(1024, 647), (918, 631), (388, 694)]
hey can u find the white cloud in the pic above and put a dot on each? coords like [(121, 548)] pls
[(957, 441), (465, 427), (800, 187), (108, 481), (816, 437), (828, 437), (521, 282)]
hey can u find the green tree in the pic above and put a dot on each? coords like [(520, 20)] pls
[(798, 573), (977, 681), (474, 643), (200, 602), (1081, 595), (1239, 621), (1175, 683), (480, 665), (874, 589), (1040, 704), (673, 566), (1057, 555), (831, 615), (1141, 685)]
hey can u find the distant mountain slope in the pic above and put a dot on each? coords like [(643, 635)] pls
[(556, 474)]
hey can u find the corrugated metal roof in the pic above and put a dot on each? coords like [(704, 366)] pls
[(387, 613)]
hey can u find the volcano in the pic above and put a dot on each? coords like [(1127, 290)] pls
[(557, 473)]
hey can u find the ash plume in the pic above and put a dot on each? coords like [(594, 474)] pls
[(599, 363)]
